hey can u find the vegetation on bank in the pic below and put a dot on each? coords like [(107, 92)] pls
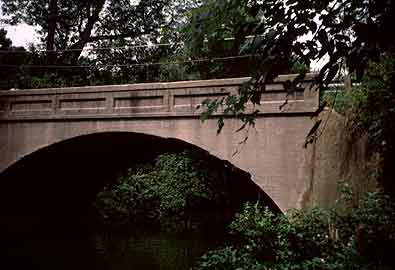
[(369, 108), (344, 237), (179, 191)]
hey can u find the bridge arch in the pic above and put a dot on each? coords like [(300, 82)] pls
[(65, 177)]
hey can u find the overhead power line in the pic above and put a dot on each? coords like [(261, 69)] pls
[(134, 65), (92, 48), (108, 48)]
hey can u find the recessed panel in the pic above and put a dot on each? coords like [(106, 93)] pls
[(3, 105), (82, 104), (31, 105), (281, 96), (195, 99), (136, 102)]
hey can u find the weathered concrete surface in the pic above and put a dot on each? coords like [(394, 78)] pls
[(339, 155), (273, 154)]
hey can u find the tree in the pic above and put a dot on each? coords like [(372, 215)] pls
[(222, 29), (5, 43), (118, 26), (134, 61), (71, 25), (349, 33), (10, 56)]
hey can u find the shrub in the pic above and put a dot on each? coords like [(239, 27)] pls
[(169, 192), (360, 237)]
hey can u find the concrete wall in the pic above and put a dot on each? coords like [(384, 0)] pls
[(338, 156), (273, 154)]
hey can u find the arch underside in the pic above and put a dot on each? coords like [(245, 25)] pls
[(66, 176)]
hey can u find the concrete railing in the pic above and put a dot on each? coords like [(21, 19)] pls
[(174, 99)]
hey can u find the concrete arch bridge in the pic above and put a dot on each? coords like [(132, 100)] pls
[(274, 156)]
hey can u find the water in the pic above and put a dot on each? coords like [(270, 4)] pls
[(107, 251), (162, 251)]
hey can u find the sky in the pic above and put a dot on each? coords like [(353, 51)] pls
[(22, 34)]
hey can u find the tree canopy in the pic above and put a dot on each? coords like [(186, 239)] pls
[(120, 38), (348, 32), (71, 25), (10, 55), (274, 34)]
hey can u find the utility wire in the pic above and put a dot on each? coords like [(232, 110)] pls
[(92, 49), (135, 65), (107, 48)]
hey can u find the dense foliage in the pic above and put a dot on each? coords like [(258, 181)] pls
[(177, 190), (359, 237), (373, 111), (119, 37), (15, 56), (369, 108), (347, 33), (71, 25)]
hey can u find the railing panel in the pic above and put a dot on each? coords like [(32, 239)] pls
[(147, 100)]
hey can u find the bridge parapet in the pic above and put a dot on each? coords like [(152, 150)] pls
[(177, 99)]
